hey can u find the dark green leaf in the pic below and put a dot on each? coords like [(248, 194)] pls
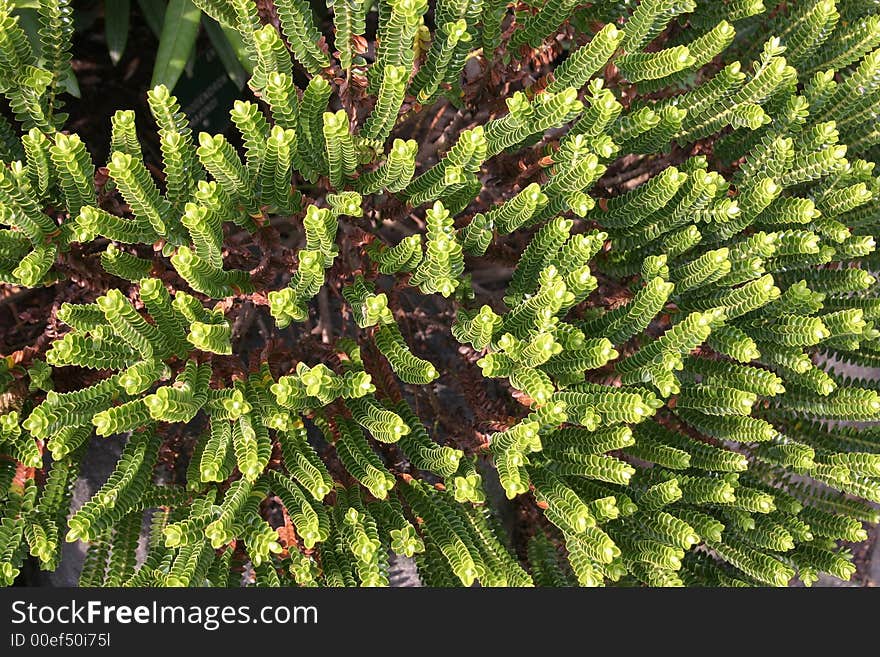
[(116, 15), (225, 51), (154, 14), (179, 32)]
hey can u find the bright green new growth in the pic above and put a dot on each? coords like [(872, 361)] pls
[(443, 262), (655, 259), (340, 154)]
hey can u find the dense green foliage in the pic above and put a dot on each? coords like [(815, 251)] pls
[(689, 194)]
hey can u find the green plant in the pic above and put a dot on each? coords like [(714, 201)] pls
[(658, 257)]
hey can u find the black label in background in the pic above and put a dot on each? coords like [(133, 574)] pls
[(423, 622), (207, 95)]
